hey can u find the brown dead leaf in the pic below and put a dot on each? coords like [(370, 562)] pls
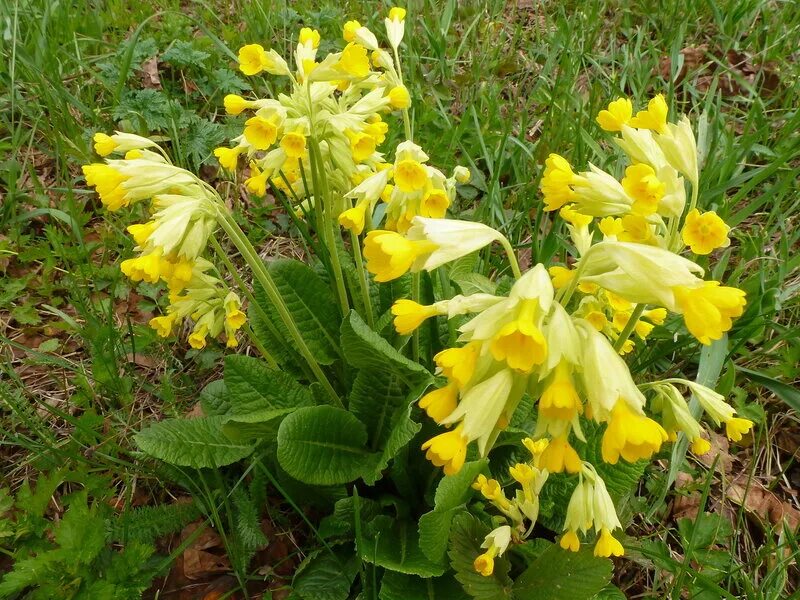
[(760, 502), (719, 448), (150, 78), (199, 564), (685, 505), (196, 412)]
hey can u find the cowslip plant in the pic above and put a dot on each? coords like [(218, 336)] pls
[(544, 423)]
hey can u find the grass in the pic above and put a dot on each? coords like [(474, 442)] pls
[(498, 86)]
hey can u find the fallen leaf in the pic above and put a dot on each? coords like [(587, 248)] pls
[(757, 500), (150, 78)]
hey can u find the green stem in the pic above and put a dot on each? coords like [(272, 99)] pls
[(415, 296), (512, 256), (626, 331), (363, 282), (406, 118), (329, 226), (262, 275)]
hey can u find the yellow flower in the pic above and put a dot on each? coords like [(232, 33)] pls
[(399, 97), (708, 310), (377, 130), (397, 14), (619, 113), (234, 105), (736, 427), (496, 543), (520, 343), (484, 564), (108, 182), (447, 450), (560, 400), (293, 144), (177, 274), (560, 456), (260, 132), (607, 545), (410, 175), (627, 347), (252, 59), (408, 315), (197, 339), (570, 541), (354, 60), (235, 318), (573, 217), (163, 325), (148, 267), (257, 182), (441, 402), (655, 117), (228, 157), (656, 316), (349, 30), (556, 181), (309, 35), (434, 204), (635, 229), (704, 233), (535, 447), (641, 184), (561, 276), (362, 146), (596, 319), (631, 435), (389, 255), (462, 175), (458, 364), (700, 446), (611, 227), (104, 144), (353, 219), (141, 231)]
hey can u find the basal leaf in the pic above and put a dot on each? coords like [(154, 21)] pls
[(397, 586), (324, 445), (192, 443), (559, 574), (253, 387), (394, 544), (466, 537)]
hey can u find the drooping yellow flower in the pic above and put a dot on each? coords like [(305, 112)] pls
[(520, 342), (309, 35), (700, 446), (736, 427), (704, 233), (260, 132), (657, 316), (458, 364), (293, 144), (434, 204), (397, 13), (141, 231), (252, 59), (709, 310), (654, 118), (631, 435), (462, 175), (560, 456), (410, 175), (560, 399), (163, 325), (617, 114), (257, 182), (354, 60), (447, 450), (228, 157), (389, 255), (148, 267), (596, 319), (570, 541), (495, 543), (349, 30), (561, 276), (104, 144), (108, 182), (611, 227), (197, 339), (439, 403), (408, 315), (556, 181), (354, 219), (607, 545), (362, 145), (399, 97), (641, 184), (636, 228), (573, 217), (177, 274)]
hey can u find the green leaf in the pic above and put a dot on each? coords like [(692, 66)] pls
[(466, 538), (326, 575), (394, 544), (790, 395), (311, 305), (214, 399), (620, 478), (324, 445), (375, 399), (192, 443), (253, 387), (559, 574), (365, 349), (402, 432), (397, 586), (451, 494), (610, 592)]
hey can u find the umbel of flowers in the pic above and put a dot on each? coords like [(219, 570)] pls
[(560, 333)]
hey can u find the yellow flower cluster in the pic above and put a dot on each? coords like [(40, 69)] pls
[(183, 215), (564, 350), (335, 109)]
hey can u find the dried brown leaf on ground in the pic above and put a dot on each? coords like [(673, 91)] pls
[(150, 78), (761, 503), (198, 560)]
